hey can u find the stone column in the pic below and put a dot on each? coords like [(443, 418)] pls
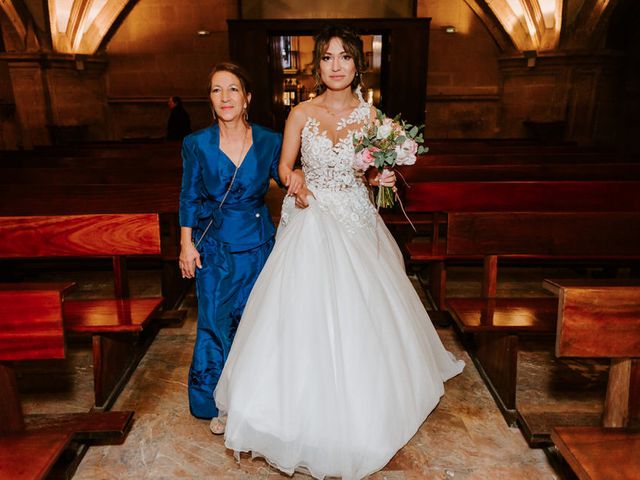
[(31, 98), (58, 97)]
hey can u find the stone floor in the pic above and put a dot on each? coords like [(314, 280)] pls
[(464, 438)]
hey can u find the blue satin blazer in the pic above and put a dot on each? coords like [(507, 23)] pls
[(243, 222)]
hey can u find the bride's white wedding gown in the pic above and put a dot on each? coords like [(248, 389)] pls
[(335, 364)]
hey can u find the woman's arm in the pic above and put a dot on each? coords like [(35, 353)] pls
[(189, 207)]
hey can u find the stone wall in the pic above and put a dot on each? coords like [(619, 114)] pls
[(477, 85), (463, 79), (156, 53)]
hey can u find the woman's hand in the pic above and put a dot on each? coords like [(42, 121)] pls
[(294, 182), (301, 197), (189, 260)]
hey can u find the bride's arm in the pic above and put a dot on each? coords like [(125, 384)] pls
[(293, 179)]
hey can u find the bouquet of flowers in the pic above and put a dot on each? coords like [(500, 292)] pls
[(385, 143)]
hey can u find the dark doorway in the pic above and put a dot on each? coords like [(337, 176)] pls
[(272, 52)]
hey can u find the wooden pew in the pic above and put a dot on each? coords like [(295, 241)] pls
[(426, 172), (172, 159), (109, 198), (602, 320), (89, 176), (87, 199), (430, 199), (497, 323), (524, 158), (149, 160), (417, 174), (115, 324), (495, 196), (31, 328)]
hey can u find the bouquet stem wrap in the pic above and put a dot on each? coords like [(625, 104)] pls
[(386, 197)]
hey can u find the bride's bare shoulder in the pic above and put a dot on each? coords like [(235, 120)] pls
[(301, 112)]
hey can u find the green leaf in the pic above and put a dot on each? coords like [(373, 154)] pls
[(413, 132), (400, 140)]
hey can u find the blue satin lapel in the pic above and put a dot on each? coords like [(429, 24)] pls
[(214, 138)]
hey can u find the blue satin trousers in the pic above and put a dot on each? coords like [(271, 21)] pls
[(223, 286)]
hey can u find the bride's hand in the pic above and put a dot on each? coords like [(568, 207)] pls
[(294, 182), (385, 179), (301, 197)]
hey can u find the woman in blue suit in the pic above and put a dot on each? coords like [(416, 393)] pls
[(226, 230)]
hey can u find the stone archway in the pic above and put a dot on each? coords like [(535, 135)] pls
[(79, 26)]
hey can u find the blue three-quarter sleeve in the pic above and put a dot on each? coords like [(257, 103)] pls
[(190, 194), (275, 161)]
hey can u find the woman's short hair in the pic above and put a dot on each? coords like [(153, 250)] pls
[(351, 43)]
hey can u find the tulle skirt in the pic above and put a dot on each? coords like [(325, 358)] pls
[(335, 364)]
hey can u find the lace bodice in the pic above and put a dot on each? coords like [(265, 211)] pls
[(330, 172)]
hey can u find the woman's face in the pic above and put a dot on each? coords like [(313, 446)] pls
[(227, 97), (337, 68)]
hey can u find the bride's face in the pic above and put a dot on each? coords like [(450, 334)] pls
[(337, 68)]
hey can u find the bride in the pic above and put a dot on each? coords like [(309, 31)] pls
[(335, 364)]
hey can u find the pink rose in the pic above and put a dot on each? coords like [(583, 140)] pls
[(364, 158), (406, 153)]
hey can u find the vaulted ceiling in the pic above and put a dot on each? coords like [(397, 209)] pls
[(70, 26), (531, 24), (80, 26)]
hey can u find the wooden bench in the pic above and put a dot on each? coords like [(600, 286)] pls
[(115, 323), (89, 176), (602, 320), (496, 323), (524, 158), (31, 328), (426, 172), (139, 159), (434, 198), (43, 199)]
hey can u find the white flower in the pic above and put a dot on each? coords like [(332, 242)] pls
[(406, 153), (384, 131)]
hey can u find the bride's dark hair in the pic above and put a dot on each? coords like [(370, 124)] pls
[(351, 43)]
